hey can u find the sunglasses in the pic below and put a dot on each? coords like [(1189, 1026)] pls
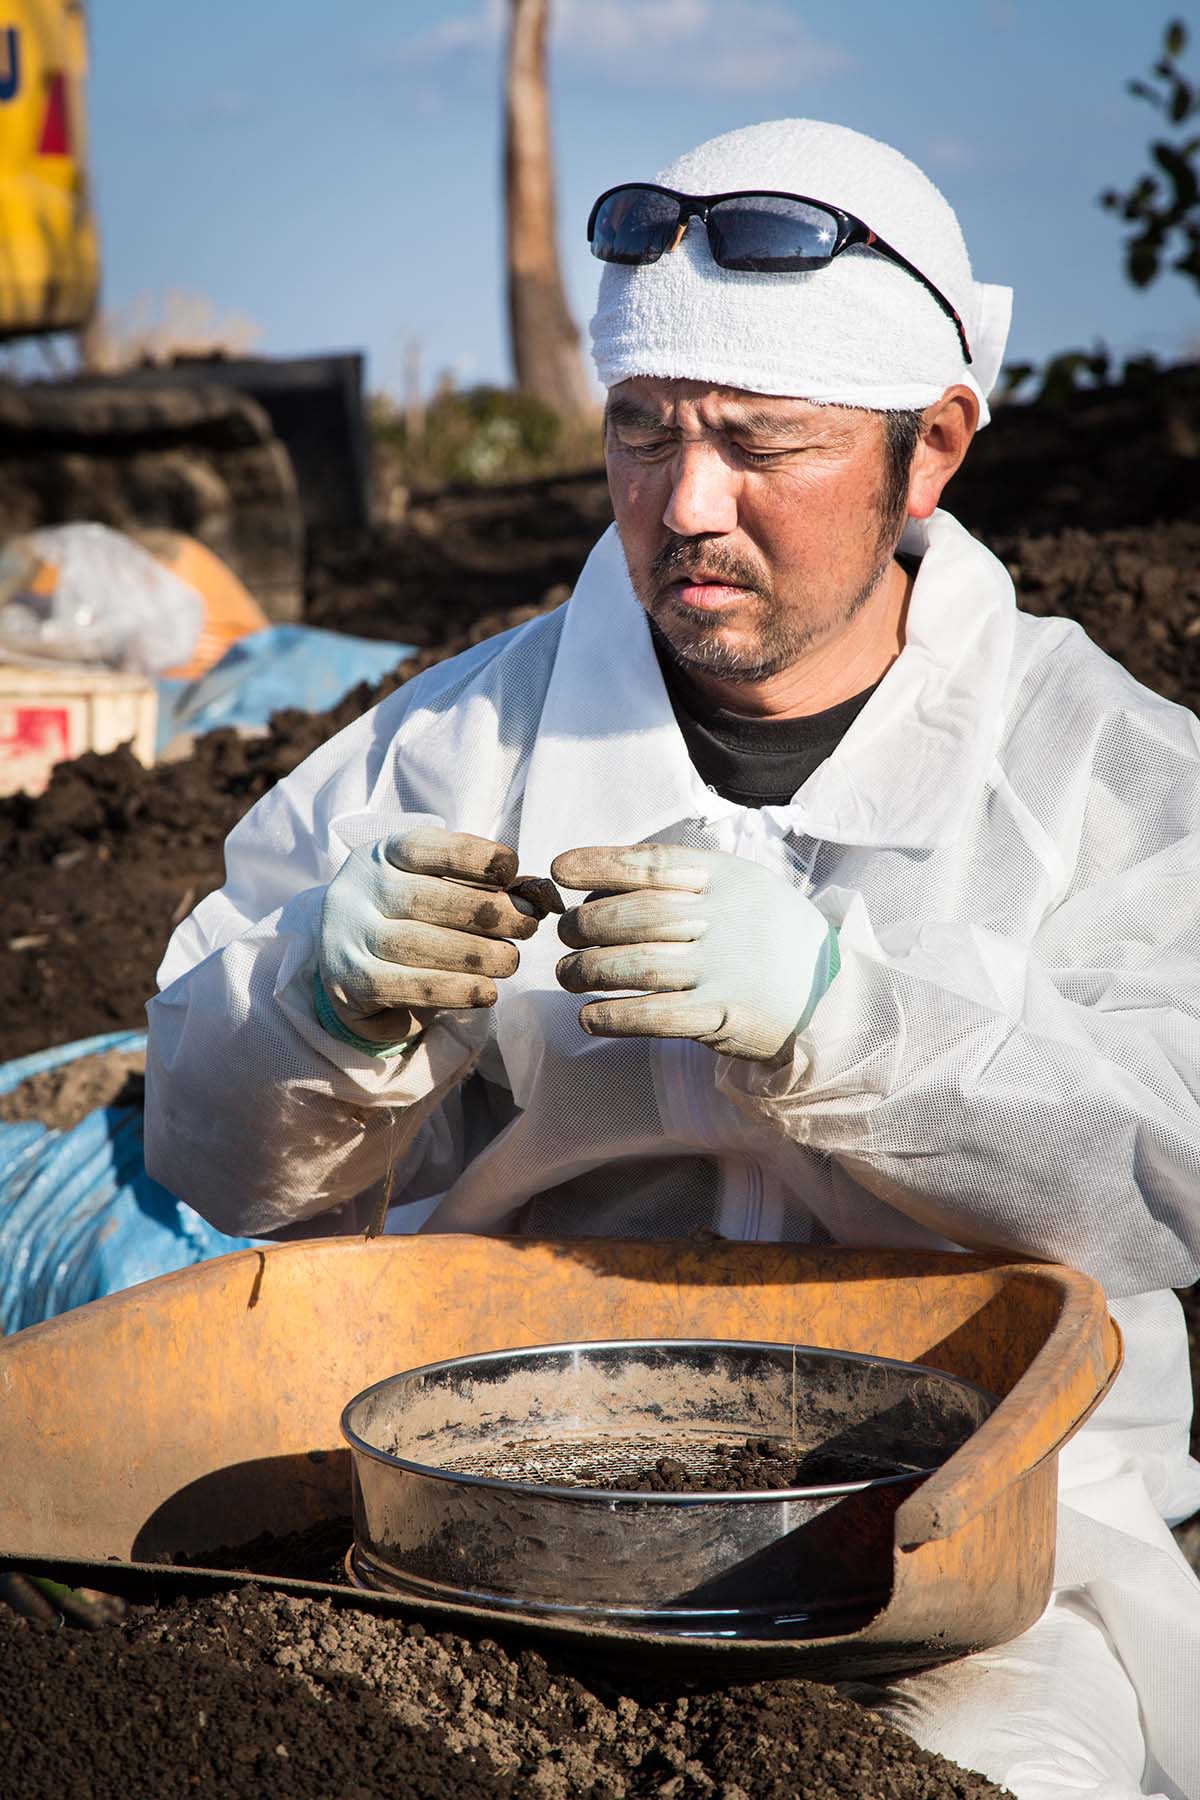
[(761, 232)]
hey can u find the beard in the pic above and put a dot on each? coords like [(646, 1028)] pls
[(772, 636)]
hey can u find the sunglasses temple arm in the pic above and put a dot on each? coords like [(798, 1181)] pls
[(877, 243)]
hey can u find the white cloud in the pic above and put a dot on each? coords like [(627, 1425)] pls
[(951, 154), (732, 46), (466, 33)]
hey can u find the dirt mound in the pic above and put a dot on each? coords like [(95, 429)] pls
[(61, 1097), (1136, 593), (1098, 460), (252, 1693), (460, 553)]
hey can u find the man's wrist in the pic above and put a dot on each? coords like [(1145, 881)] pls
[(328, 1020)]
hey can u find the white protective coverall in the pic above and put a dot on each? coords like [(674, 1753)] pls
[(1008, 838)]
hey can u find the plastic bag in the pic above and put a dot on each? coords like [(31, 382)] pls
[(83, 594), (79, 1216)]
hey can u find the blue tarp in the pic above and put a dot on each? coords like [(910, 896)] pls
[(284, 665), (79, 1216)]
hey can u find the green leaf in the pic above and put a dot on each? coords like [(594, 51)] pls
[(1175, 38), (1138, 367), (1141, 262), (1181, 103), (1183, 176), (1014, 376)]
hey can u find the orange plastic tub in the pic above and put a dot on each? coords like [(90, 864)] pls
[(203, 1407)]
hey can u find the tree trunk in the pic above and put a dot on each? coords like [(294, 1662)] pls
[(545, 338)]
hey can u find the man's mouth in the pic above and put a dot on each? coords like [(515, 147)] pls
[(706, 591)]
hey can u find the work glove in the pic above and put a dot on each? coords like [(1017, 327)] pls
[(416, 923), (721, 949)]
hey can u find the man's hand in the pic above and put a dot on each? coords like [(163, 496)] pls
[(402, 936), (722, 949)]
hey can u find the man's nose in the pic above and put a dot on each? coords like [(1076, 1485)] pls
[(703, 499)]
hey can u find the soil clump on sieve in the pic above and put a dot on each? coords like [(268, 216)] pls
[(248, 1693), (637, 1465), (757, 1465)]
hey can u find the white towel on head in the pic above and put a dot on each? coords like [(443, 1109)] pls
[(859, 332)]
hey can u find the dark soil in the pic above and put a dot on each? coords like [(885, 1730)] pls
[(252, 1693), (460, 554), (686, 1465), (756, 1465), (318, 1553), (1136, 592)]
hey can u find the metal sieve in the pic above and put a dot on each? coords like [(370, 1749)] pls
[(497, 1481)]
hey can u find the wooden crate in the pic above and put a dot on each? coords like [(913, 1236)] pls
[(49, 714)]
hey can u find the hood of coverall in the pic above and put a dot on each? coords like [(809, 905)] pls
[(860, 331)]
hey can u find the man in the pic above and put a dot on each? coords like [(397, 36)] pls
[(883, 893)]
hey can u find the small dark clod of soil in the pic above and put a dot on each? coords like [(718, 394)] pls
[(252, 1693)]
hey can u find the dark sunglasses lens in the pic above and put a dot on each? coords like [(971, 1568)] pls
[(634, 225), (769, 234)]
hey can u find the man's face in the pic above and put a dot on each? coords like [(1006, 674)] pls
[(754, 528)]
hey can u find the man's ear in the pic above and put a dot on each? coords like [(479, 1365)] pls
[(946, 432)]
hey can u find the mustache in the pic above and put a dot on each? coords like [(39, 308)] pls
[(681, 556)]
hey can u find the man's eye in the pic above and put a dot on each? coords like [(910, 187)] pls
[(760, 456), (647, 446)]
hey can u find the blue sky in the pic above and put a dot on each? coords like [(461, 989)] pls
[(333, 173)]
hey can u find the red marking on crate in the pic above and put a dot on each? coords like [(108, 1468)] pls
[(38, 730)]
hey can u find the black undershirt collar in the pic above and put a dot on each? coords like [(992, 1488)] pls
[(752, 761)]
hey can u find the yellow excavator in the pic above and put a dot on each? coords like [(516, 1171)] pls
[(49, 251), (246, 454)]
